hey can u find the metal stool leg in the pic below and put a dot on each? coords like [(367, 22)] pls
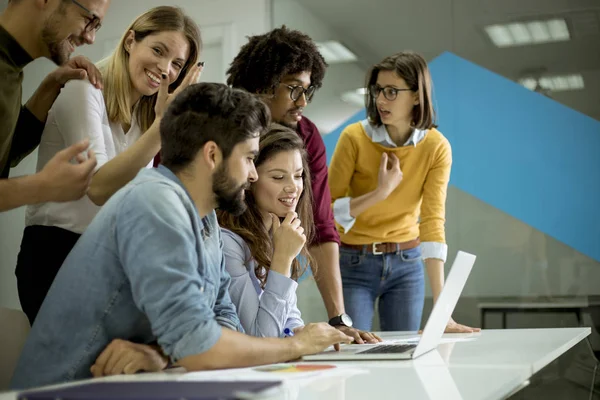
[(593, 381), (596, 362)]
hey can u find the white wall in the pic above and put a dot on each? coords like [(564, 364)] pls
[(224, 25), (327, 109)]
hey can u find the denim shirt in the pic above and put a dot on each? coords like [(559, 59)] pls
[(147, 269)]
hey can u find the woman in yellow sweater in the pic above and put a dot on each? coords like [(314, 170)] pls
[(388, 179)]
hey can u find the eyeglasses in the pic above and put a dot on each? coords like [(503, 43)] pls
[(94, 23), (296, 91), (390, 93)]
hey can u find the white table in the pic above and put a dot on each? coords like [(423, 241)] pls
[(495, 365)]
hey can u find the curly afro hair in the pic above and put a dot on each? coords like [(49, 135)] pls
[(265, 59)]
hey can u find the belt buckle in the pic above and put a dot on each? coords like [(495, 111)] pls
[(375, 252)]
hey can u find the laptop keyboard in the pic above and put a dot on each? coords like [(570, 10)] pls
[(389, 348)]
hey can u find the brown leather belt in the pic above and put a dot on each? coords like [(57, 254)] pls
[(383, 248)]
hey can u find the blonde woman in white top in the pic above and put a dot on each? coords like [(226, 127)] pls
[(155, 59)]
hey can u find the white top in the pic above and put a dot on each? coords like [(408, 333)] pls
[(78, 113)]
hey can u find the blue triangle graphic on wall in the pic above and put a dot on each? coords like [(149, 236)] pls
[(517, 150)]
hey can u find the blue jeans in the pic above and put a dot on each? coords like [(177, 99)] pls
[(397, 279)]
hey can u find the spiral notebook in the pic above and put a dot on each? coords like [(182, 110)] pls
[(164, 390)]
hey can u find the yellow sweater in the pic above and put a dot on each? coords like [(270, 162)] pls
[(354, 170)]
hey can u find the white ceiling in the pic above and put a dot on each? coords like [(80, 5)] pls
[(374, 29)]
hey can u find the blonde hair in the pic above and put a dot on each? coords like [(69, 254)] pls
[(115, 68)]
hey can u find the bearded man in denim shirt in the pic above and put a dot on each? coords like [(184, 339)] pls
[(150, 267)]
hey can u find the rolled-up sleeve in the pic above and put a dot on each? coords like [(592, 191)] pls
[(265, 315), (157, 246), (341, 213), (433, 207), (434, 250)]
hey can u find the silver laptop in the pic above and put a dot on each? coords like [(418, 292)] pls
[(434, 329)]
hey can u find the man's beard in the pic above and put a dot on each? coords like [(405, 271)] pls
[(59, 53), (229, 195), (291, 125)]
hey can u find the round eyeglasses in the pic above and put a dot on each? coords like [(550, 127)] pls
[(390, 93), (296, 91), (94, 23)]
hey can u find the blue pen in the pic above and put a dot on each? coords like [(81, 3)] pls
[(288, 332)]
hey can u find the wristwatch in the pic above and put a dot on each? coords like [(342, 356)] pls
[(342, 319)]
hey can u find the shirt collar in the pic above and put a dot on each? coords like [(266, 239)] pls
[(167, 173), (416, 137), (380, 135)]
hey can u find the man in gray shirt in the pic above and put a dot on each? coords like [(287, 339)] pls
[(150, 266)]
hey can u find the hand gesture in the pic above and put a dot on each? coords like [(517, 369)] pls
[(288, 237), (165, 98), (62, 180), (123, 357), (390, 174), (77, 68)]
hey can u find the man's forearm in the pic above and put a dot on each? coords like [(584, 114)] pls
[(435, 271), (41, 101), (327, 275), (21, 191), (236, 350)]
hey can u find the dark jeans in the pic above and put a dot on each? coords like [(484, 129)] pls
[(43, 251)]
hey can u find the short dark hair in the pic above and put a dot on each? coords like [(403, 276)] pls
[(206, 112), (413, 69), (266, 59)]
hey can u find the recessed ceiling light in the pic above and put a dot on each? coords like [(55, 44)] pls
[(540, 32), (558, 83), (527, 33), (529, 83), (335, 52)]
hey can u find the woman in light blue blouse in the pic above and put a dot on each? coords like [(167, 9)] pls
[(261, 246)]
